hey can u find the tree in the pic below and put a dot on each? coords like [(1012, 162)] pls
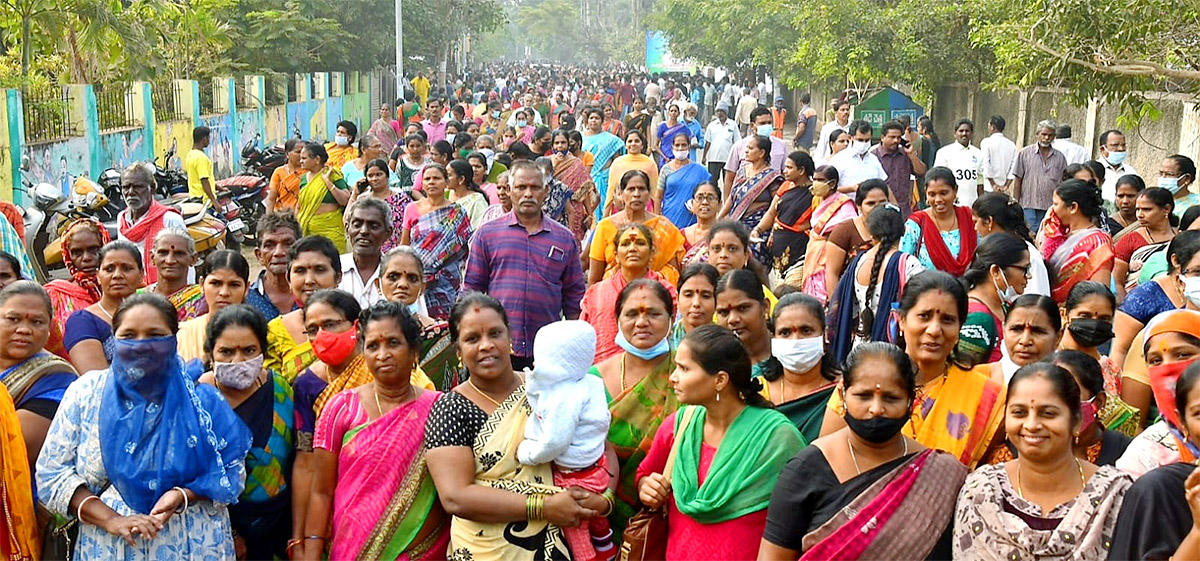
[(1109, 51)]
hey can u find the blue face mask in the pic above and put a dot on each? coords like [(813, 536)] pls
[(136, 360), (414, 307), (1169, 183), (663, 347), (766, 130)]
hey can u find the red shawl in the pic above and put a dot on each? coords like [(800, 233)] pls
[(939, 254), (144, 231)]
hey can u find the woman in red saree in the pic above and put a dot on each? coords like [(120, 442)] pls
[(573, 172), (866, 494), (81, 243), (1075, 247), (364, 434), (942, 236)]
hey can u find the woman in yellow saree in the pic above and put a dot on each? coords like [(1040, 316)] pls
[(19, 535), (342, 149), (323, 194), (313, 264), (501, 509)]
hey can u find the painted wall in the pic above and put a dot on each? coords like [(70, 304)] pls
[(59, 162)]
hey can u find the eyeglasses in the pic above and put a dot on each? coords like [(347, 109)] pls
[(1024, 269), (327, 325), (705, 198)]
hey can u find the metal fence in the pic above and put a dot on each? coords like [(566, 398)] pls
[(207, 98), (241, 96), (47, 114), (278, 88), (114, 106), (167, 106)]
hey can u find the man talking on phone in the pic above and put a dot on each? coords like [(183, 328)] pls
[(901, 163)]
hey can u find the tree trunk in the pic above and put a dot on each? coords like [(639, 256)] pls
[(26, 47)]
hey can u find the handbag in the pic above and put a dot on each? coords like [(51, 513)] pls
[(645, 537)]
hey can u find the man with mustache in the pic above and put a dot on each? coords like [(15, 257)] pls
[(271, 294)]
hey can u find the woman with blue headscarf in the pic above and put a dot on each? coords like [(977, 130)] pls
[(146, 459)]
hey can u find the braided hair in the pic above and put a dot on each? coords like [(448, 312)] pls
[(886, 226)]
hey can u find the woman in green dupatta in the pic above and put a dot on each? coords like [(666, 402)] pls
[(801, 377), (403, 281), (323, 194), (375, 510), (501, 510), (636, 384), (731, 446)]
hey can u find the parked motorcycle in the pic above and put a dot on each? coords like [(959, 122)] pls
[(249, 188)]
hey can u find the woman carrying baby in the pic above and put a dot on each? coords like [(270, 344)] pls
[(363, 435)]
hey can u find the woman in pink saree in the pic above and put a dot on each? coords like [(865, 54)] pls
[(832, 209), (370, 455)]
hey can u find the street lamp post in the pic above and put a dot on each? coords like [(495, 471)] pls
[(399, 53)]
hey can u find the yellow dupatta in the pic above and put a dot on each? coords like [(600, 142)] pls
[(284, 354), (327, 224), (496, 465), (22, 540)]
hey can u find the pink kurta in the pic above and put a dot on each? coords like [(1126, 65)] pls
[(738, 538)]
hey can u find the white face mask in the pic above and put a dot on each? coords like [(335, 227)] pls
[(1191, 289), (341, 140), (798, 355), (1009, 294), (861, 147)]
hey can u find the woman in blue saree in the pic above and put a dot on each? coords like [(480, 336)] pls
[(676, 183), (604, 147), (667, 132)]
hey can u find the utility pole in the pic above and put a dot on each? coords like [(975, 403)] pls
[(399, 54)]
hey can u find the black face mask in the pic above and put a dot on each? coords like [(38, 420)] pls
[(876, 430), (1091, 332)]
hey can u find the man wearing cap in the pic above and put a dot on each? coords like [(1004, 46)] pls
[(779, 117), (719, 138)]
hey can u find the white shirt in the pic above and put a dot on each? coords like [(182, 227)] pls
[(823, 148), (720, 138), (1111, 175), (1039, 277), (1075, 153), (998, 155), (967, 164), (853, 170), (368, 292)]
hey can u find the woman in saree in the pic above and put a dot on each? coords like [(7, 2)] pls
[(697, 300), (635, 157), (717, 502), (499, 508), (386, 128), (167, 497), (369, 148), (850, 237), (753, 189), (997, 212), (1172, 345), (88, 333), (676, 183), (372, 487), (284, 188), (612, 123), (235, 341), (805, 375), (573, 172), (637, 385), (313, 264), (1075, 247), (667, 131), (35, 379), (1069, 509), (860, 308), (462, 190), (342, 149), (81, 243), (226, 282), (174, 254), (1089, 325), (997, 276), (376, 184), (634, 248), (504, 206), (854, 493), (957, 409), (439, 230), (807, 239), (323, 193), (638, 119), (635, 191), (403, 281), (705, 202), (604, 148), (942, 236), (1128, 187), (21, 537), (1157, 227)]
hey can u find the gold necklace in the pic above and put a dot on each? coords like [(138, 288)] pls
[(410, 393), (481, 392), (1078, 464), (106, 314), (623, 373), (903, 440)]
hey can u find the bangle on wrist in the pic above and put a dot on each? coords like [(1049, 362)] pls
[(79, 509), (185, 499), (320, 538), (612, 502)]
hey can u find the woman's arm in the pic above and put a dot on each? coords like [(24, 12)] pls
[(1125, 328), (1137, 395), (320, 504), (1120, 273), (768, 551), (273, 192), (34, 428), (88, 355), (832, 423), (406, 236), (835, 260), (595, 271), (661, 189), (1103, 276), (453, 472), (341, 193), (303, 473), (768, 219)]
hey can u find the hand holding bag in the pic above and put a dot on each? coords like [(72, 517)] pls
[(645, 537)]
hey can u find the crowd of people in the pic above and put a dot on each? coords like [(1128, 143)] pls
[(581, 309)]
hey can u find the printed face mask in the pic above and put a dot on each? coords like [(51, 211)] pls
[(238, 375)]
